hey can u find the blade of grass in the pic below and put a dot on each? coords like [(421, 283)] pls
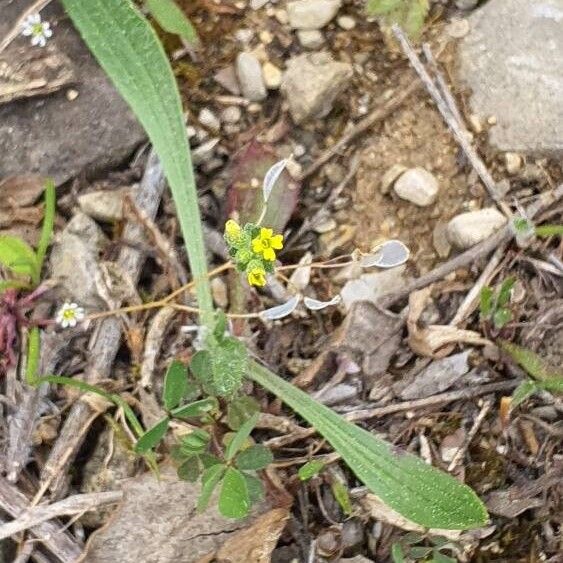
[(47, 227)]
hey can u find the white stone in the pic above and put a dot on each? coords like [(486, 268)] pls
[(208, 119), (257, 4), (513, 162), (346, 22), (311, 14), (417, 186), (372, 286), (312, 82), (231, 114), (390, 176), (103, 205), (310, 38), (249, 73), (272, 76), (470, 228)]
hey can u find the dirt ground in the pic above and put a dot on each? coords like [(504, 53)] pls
[(513, 461)]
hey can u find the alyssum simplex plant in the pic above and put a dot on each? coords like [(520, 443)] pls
[(129, 50)]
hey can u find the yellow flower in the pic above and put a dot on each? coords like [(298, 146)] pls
[(257, 276), (266, 242), (232, 230)]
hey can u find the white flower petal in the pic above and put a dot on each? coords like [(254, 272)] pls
[(27, 30), (48, 32), (281, 311), (390, 254), (42, 41), (316, 305), (34, 18), (36, 40), (271, 177)]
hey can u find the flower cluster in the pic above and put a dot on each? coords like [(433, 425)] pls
[(253, 250)]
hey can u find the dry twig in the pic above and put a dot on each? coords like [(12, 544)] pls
[(104, 343), (457, 128)]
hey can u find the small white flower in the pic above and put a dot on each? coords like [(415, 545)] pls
[(38, 30), (69, 315)]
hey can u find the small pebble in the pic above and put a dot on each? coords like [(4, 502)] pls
[(466, 4), (231, 114), (257, 4), (417, 186), (311, 14), (458, 28), (310, 38), (475, 123), (266, 37), (249, 73), (390, 176), (346, 22), (71, 95), (272, 76), (208, 119), (468, 229), (244, 36), (513, 162), (281, 16)]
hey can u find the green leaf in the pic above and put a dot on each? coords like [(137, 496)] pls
[(172, 19), (438, 557), (47, 226), (234, 501), (175, 384), (486, 302), (229, 362), (254, 458), (534, 365), (342, 497), (196, 409), (554, 385), (18, 256), (415, 16), (200, 366), (505, 291), (33, 355), (210, 478), (382, 7), (501, 317), (410, 486), (208, 460), (152, 436), (418, 552), (128, 49), (310, 469), (220, 325), (240, 437), (549, 230), (411, 538), (195, 442), (397, 553), (522, 392), (190, 470), (255, 488), (241, 409)]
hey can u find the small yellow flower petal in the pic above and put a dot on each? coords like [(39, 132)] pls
[(257, 246), (257, 276), (277, 242), (269, 254), (266, 233)]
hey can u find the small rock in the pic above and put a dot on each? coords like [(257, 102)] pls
[(312, 82), (513, 162), (249, 74), (417, 186), (450, 445), (475, 123), (231, 114), (281, 16), (272, 76), (311, 14), (244, 36), (208, 119), (74, 261), (325, 226), (204, 152), (370, 287), (440, 240), (346, 22), (227, 77), (334, 172), (390, 176), (310, 39), (257, 4), (103, 205), (470, 228), (458, 28), (466, 4)]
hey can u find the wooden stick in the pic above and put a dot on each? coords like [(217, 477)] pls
[(76, 504), (53, 536)]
